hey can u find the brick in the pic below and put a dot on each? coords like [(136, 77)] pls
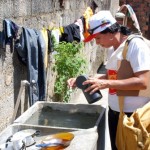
[(145, 27)]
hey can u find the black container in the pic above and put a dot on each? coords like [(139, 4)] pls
[(91, 98)]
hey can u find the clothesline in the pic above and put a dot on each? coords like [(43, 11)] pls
[(33, 46)]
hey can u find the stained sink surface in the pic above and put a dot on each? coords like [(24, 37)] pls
[(58, 118)]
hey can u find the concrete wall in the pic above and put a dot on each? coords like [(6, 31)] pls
[(38, 14)]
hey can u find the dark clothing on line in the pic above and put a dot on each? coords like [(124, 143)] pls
[(10, 31), (50, 41), (71, 33), (93, 6), (31, 49)]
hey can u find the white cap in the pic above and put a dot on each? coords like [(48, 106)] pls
[(102, 20)]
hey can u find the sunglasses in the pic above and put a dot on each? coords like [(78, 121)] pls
[(91, 31)]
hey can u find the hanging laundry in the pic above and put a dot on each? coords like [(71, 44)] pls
[(130, 18), (31, 48), (45, 36), (93, 6), (80, 24), (87, 14), (57, 33), (10, 31), (50, 41), (71, 33)]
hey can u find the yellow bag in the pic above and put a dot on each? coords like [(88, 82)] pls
[(133, 133)]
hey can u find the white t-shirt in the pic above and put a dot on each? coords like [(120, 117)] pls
[(139, 57)]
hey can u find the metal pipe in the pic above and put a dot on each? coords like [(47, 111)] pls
[(23, 84)]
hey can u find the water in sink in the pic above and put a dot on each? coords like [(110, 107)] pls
[(58, 118)]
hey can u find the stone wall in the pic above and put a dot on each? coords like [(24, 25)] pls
[(38, 14)]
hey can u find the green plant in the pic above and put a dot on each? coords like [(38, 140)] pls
[(69, 62)]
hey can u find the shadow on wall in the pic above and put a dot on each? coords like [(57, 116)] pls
[(2, 55), (20, 73), (101, 69), (98, 64)]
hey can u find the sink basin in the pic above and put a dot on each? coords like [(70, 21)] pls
[(68, 117), (74, 116)]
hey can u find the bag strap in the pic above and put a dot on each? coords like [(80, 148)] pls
[(124, 54), (121, 103)]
